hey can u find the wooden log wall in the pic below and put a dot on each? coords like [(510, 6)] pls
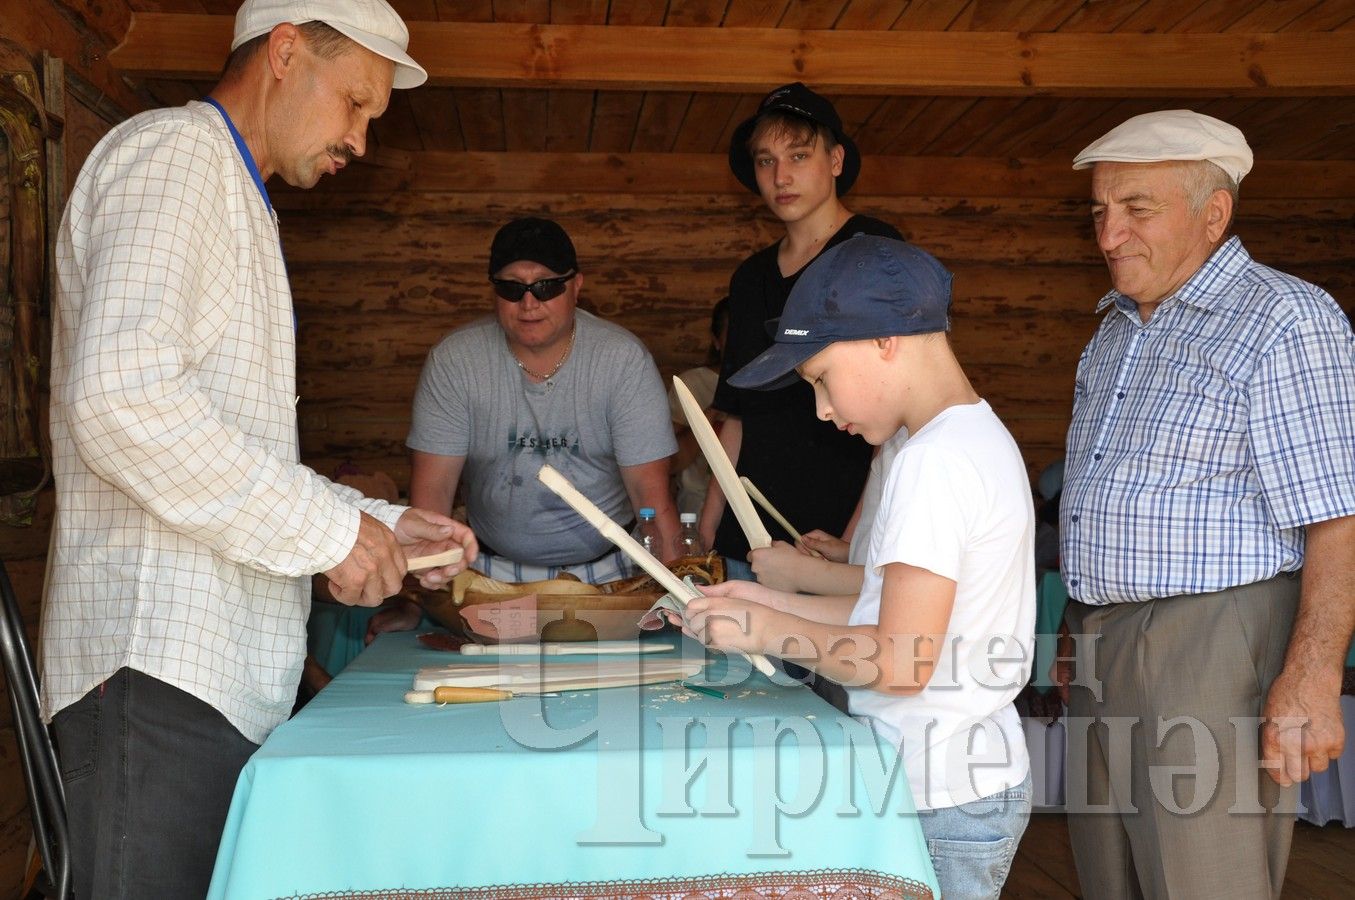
[(379, 278), (80, 33), (389, 256)]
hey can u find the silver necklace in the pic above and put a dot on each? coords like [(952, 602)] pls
[(564, 356)]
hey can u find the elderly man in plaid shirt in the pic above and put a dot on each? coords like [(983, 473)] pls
[(1207, 528)]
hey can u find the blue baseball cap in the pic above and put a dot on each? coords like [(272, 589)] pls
[(865, 287)]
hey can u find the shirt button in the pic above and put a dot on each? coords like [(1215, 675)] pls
[(1073, 583), (1120, 395), (1075, 518), (1096, 456)]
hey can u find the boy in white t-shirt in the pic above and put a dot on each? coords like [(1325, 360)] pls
[(942, 630)]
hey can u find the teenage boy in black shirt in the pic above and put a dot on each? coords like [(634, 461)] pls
[(794, 154)]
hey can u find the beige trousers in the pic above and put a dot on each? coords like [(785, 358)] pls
[(1165, 797)]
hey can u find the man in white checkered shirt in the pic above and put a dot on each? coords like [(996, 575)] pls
[(173, 629), (1211, 458)]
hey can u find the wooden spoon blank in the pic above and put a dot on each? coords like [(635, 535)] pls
[(722, 469), (435, 560), (631, 547)]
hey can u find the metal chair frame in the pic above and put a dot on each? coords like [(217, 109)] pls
[(42, 774)]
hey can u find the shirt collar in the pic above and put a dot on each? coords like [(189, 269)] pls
[(1203, 290), (241, 146)]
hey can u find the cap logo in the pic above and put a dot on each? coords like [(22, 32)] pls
[(796, 331)]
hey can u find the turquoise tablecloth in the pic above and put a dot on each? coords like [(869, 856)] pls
[(596, 793)]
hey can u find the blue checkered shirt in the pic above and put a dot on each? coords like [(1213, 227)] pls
[(1205, 439)]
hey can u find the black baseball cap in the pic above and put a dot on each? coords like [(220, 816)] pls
[(799, 101), (865, 287), (538, 240)]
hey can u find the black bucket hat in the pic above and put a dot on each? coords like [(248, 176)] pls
[(796, 100)]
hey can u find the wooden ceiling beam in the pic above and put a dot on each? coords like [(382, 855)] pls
[(708, 173), (751, 60)]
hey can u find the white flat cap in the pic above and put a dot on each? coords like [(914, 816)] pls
[(371, 23), (1171, 134)]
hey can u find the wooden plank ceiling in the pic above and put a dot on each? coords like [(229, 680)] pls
[(529, 119)]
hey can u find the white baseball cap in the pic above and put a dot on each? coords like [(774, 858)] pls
[(371, 23), (1171, 134)]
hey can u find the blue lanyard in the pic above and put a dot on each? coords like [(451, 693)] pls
[(244, 153), (249, 164)]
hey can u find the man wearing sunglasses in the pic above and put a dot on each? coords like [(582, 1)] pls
[(542, 382)]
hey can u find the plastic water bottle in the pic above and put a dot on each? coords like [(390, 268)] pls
[(689, 538), (647, 532)]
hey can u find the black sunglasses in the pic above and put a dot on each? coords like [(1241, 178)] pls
[(542, 289)]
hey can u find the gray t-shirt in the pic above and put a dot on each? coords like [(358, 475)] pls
[(604, 409)]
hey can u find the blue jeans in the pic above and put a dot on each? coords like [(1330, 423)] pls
[(736, 569), (972, 845)]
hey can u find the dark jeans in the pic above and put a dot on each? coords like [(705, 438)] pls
[(149, 773)]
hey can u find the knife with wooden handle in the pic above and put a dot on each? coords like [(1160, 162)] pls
[(470, 695), (722, 469), (631, 547), (447, 693)]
